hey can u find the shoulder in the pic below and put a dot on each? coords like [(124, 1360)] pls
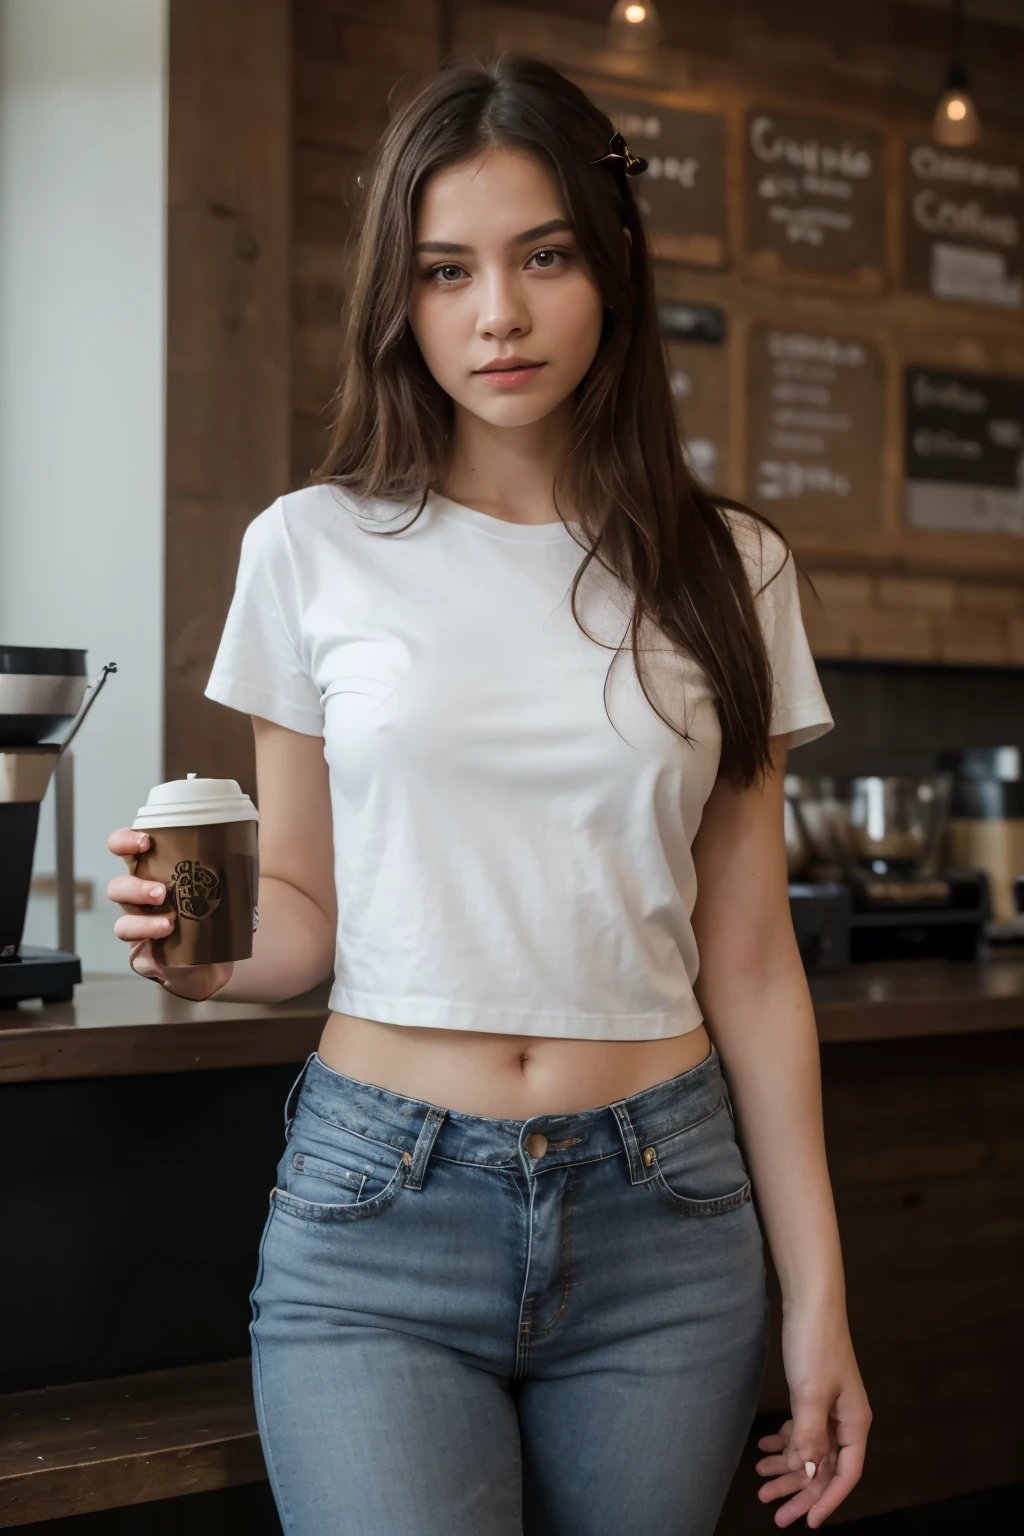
[(301, 520), (764, 552), (318, 509)]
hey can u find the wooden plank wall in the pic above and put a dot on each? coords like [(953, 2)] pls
[(353, 63), (228, 341), (925, 1162)]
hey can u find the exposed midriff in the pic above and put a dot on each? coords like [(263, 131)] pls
[(500, 1075)]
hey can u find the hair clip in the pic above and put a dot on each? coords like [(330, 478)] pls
[(618, 155)]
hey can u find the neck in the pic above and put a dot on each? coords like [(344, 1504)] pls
[(507, 471)]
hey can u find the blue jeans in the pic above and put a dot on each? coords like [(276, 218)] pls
[(467, 1326)]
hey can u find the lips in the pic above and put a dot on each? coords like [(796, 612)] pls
[(507, 372), (508, 365)]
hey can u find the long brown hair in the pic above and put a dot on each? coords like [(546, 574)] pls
[(645, 516)]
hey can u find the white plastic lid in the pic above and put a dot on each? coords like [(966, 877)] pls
[(195, 802)]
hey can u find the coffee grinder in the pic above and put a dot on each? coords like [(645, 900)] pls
[(880, 835), (41, 690)]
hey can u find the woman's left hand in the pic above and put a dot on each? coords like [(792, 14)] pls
[(818, 1454)]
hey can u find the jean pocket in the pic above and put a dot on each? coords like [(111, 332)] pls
[(329, 1173), (699, 1171)]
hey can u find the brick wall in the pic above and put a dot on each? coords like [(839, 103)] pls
[(912, 618)]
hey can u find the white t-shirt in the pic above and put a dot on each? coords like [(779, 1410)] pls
[(506, 857)]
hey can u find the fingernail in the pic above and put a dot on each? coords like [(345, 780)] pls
[(143, 841), (157, 892), (810, 1468)]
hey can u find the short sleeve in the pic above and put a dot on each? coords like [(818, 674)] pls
[(799, 707), (260, 667)]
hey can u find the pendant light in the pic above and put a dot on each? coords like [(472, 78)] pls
[(634, 24), (956, 123)]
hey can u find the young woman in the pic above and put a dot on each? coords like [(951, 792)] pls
[(541, 685)]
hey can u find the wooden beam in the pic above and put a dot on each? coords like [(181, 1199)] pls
[(128, 1440), (228, 373)]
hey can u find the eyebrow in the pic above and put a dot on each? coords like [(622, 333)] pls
[(450, 248)]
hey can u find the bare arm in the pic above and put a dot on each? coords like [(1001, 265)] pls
[(293, 947), (757, 1007)]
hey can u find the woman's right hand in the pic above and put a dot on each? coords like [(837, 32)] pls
[(139, 925)]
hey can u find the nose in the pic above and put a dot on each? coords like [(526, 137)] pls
[(502, 312), (536, 1144)]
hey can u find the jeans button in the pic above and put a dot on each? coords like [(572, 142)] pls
[(536, 1144)]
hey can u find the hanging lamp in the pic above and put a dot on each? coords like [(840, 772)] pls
[(956, 123), (634, 24)]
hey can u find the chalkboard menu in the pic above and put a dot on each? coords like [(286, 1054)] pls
[(964, 451), (962, 224), (814, 196), (691, 322), (682, 193), (698, 374), (815, 428)]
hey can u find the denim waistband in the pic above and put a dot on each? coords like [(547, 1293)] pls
[(418, 1128)]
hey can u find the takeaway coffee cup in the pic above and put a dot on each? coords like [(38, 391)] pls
[(203, 848)]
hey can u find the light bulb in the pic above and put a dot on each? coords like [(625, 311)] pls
[(634, 25), (956, 122)]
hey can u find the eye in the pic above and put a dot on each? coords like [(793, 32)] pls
[(433, 274), (548, 266)]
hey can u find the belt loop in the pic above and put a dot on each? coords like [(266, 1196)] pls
[(638, 1174), (432, 1122), (289, 1114)]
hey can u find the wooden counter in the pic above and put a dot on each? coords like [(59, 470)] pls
[(904, 999), (124, 1026), (121, 1026)]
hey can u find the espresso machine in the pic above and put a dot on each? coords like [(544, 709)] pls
[(871, 881), (43, 692)]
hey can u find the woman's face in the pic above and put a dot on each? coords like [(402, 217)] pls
[(498, 274)]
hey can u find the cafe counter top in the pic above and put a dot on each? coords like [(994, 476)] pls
[(123, 1026)]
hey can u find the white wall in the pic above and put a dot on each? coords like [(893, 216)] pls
[(82, 237)]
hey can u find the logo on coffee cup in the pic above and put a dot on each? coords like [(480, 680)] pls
[(196, 889)]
